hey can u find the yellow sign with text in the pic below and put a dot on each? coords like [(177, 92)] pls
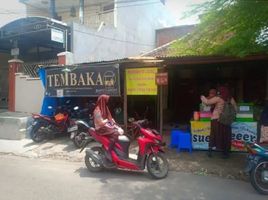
[(141, 81)]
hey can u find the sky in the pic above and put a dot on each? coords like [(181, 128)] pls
[(176, 7), (11, 10)]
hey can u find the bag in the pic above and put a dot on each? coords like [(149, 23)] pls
[(228, 115)]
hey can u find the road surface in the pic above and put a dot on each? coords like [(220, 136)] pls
[(35, 179)]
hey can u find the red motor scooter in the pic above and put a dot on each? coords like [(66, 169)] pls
[(150, 153)]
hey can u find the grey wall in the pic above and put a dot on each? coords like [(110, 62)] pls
[(133, 33)]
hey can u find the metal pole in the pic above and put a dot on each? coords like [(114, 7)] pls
[(66, 40), (52, 9), (81, 11)]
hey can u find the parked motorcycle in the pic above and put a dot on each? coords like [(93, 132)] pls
[(150, 153), (44, 127), (257, 166), (84, 120)]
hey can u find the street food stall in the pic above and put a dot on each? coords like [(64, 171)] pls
[(243, 129)]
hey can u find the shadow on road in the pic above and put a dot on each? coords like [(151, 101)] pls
[(107, 174)]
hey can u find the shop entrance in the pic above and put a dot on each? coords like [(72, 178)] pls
[(246, 80)]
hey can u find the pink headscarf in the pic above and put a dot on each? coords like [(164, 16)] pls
[(102, 104), (224, 93)]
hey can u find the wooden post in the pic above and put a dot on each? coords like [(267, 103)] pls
[(266, 97), (161, 109), (125, 100)]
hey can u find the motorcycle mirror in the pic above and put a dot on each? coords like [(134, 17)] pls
[(76, 108), (131, 119)]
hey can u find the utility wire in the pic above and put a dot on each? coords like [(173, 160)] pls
[(125, 6), (114, 39)]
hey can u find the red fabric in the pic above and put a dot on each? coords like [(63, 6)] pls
[(102, 104), (225, 93)]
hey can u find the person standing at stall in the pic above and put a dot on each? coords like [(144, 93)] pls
[(220, 134)]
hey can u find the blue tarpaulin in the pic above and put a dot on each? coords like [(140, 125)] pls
[(47, 101)]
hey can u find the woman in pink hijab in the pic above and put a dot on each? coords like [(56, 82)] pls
[(104, 122)]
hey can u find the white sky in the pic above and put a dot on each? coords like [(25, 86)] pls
[(10, 10), (176, 7)]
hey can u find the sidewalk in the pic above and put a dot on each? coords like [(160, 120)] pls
[(196, 162)]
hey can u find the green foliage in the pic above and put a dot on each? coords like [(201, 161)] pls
[(227, 27)]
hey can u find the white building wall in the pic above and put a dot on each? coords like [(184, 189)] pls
[(29, 93), (133, 33)]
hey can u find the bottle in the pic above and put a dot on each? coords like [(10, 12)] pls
[(196, 116)]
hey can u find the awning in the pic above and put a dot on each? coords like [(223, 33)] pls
[(32, 33)]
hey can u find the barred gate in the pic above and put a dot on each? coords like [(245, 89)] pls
[(31, 68)]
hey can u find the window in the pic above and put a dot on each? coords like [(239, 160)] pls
[(108, 7)]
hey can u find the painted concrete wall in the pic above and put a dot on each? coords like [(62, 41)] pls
[(29, 94), (4, 79), (133, 33)]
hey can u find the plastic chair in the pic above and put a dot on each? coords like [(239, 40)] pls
[(174, 140), (185, 141)]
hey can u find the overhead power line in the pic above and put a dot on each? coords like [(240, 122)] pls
[(114, 39), (131, 3)]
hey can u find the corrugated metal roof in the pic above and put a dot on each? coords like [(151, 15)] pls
[(161, 51), (176, 60)]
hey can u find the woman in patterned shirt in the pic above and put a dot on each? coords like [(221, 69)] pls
[(220, 134)]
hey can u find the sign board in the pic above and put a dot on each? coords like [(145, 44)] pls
[(15, 52), (200, 134), (141, 81), (83, 81), (241, 131), (57, 35), (162, 78)]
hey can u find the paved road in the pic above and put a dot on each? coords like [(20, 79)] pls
[(35, 179)]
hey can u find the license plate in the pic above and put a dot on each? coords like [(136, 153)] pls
[(73, 128)]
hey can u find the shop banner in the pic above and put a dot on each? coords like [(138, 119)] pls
[(241, 131), (141, 81), (245, 132), (81, 81), (200, 134)]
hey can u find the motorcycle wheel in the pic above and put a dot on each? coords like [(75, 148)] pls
[(38, 133), (90, 163), (79, 138), (259, 177), (157, 166)]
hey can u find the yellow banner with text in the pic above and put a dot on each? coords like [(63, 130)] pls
[(141, 81)]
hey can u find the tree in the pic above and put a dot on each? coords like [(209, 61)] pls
[(227, 27)]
